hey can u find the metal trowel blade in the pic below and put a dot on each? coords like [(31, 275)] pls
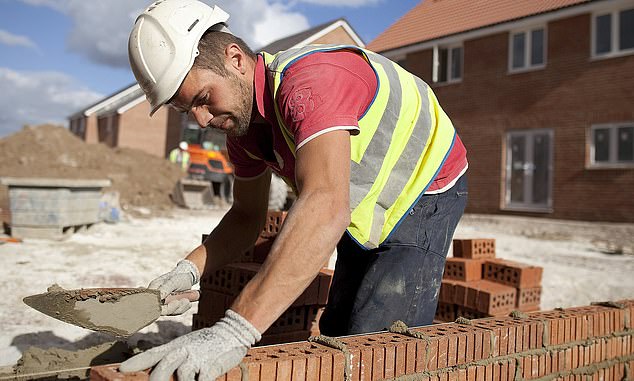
[(118, 311)]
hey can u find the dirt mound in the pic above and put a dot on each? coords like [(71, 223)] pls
[(142, 180)]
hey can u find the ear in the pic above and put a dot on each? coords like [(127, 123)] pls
[(235, 58)]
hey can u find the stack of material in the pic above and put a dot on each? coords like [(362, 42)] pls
[(476, 284), (219, 290)]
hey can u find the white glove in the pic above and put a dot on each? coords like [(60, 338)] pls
[(208, 352), (182, 278)]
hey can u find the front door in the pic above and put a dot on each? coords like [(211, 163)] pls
[(529, 170)]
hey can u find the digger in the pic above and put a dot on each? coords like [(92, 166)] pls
[(209, 172)]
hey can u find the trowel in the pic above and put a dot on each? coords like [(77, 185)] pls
[(118, 311)]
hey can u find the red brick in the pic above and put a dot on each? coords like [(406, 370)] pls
[(463, 269), (111, 373), (528, 298), (443, 350), (234, 374), (430, 348), (273, 223), (445, 312), (512, 339), (452, 350), (298, 372), (474, 248), (390, 361), (312, 368), (325, 279), (504, 371), (511, 273), (261, 249), (495, 298), (446, 291), (378, 362)]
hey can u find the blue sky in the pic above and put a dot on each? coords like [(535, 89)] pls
[(58, 56)]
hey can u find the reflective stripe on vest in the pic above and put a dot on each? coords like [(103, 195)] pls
[(404, 138)]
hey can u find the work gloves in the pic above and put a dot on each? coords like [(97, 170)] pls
[(182, 278), (208, 352)]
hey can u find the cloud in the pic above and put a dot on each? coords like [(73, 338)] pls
[(10, 39), (39, 97), (342, 3), (100, 29)]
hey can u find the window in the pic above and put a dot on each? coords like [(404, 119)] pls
[(527, 49), (612, 144), (613, 33), (447, 64)]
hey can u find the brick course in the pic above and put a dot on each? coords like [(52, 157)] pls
[(583, 343)]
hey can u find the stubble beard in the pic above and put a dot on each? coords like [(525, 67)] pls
[(242, 118)]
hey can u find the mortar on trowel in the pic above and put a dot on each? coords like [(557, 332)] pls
[(118, 311)]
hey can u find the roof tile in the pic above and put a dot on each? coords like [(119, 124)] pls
[(432, 19)]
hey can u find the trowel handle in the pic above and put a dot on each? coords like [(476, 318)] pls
[(191, 295)]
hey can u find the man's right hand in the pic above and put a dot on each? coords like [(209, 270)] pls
[(181, 278)]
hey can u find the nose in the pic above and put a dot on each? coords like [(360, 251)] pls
[(202, 116)]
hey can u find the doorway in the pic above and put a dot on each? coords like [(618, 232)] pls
[(529, 156)]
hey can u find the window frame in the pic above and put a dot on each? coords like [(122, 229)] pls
[(527, 49), (436, 63), (613, 147), (615, 38)]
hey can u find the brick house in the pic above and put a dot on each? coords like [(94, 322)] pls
[(122, 119), (542, 94)]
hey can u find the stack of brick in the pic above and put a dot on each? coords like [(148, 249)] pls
[(583, 343), (476, 284), (219, 290)]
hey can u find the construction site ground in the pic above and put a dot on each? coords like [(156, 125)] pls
[(583, 262)]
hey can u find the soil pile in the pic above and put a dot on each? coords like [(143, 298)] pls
[(142, 180)]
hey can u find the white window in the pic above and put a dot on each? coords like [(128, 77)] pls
[(527, 49), (612, 144), (447, 64), (613, 33)]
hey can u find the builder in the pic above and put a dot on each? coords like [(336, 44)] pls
[(376, 164)]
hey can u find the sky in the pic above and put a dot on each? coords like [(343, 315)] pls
[(59, 56)]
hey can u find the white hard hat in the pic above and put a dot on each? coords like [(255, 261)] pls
[(183, 146), (164, 43)]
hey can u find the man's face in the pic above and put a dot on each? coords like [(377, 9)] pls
[(221, 102)]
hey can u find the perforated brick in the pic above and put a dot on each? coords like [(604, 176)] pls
[(273, 224), (512, 273), (446, 291), (474, 248), (529, 298), (494, 298), (463, 269), (540, 345), (445, 312)]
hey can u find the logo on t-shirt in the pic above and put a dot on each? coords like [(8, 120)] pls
[(302, 102)]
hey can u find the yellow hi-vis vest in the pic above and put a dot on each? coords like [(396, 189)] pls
[(404, 139)]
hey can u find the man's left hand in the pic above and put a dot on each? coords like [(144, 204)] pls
[(208, 352)]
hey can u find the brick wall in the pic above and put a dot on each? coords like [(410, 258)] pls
[(569, 95), (92, 135), (138, 130), (219, 290), (336, 36), (583, 343)]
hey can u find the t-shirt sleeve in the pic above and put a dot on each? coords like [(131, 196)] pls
[(244, 166), (325, 91)]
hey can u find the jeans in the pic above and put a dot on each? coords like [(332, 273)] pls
[(399, 280)]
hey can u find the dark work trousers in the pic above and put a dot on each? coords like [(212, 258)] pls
[(399, 280)]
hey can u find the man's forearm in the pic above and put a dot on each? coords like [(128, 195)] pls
[(307, 239), (235, 234)]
